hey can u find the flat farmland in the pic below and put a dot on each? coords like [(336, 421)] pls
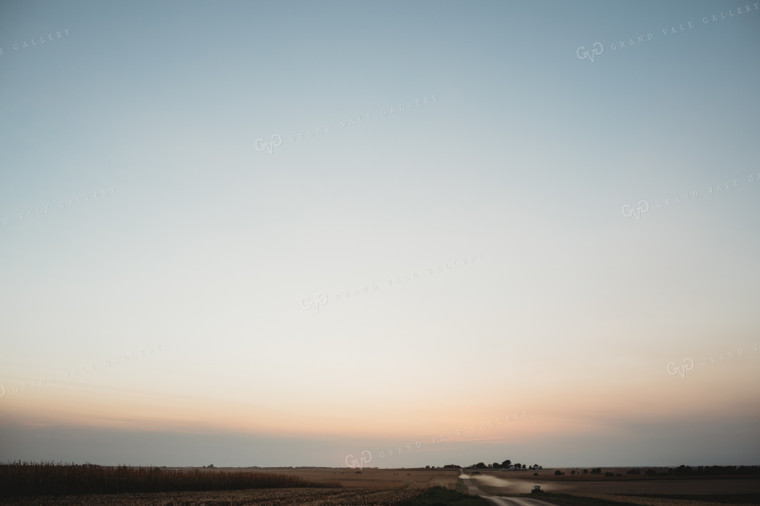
[(343, 487), (268, 497), (339, 487), (659, 491), (419, 479)]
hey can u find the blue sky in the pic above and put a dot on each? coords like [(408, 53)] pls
[(144, 213)]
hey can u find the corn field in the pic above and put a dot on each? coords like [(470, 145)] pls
[(30, 479)]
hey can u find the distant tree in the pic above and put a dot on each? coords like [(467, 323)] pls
[(585, 471), (572, 472), (506, 464), (496, 465), (479, 465), (523, 466)]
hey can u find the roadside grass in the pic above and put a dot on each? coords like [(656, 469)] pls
[(438, 496), (577, 500), (721, 498)]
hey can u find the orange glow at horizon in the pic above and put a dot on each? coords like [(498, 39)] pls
[(548, 412)]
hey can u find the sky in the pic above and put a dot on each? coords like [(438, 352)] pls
[(385, 234)]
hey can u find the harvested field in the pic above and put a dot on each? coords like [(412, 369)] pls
[(420, 479), (390, 486), (264, 497), (658, 491), (331, 487)]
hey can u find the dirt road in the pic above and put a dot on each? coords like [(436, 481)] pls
[(473, 489)]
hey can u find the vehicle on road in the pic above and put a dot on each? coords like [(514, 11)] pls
[(536, 490)]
